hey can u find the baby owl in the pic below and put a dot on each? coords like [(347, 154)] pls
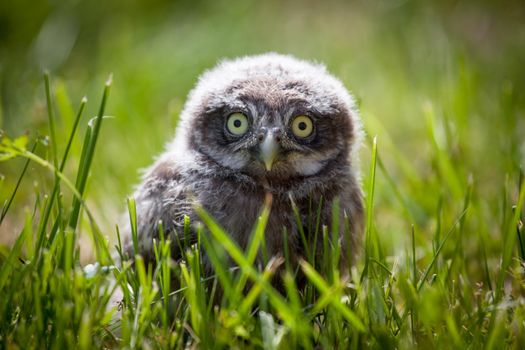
[(254, 126)]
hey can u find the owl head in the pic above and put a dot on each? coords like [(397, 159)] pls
[(270, 116)]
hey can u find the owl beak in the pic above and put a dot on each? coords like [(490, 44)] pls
[(269, 150)]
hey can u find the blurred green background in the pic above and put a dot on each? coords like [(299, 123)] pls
[(440, 83)]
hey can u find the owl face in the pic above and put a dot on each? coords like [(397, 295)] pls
[(275, 117)]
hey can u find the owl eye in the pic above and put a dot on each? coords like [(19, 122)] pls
[(237, 124), (302, 126)]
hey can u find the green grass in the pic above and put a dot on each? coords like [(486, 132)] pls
[(441, 97), (419, 299)]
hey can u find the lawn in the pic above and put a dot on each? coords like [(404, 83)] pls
[(441, 92)]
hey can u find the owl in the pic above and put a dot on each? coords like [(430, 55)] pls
[(253, 127)]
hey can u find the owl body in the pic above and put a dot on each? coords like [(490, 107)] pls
[(253, 127)]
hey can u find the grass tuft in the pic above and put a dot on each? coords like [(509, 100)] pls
[(456, 281)]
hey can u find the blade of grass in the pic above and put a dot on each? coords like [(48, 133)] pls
[(458, 250), (278, 302), (300, 228), (333, 298), (447, 170), (519, 225), (509, 242), (336, 239), (438, 250), (6, 207), (56, 188), (256, 290), (12, 259), (51, 119), (219, 263), (132, 210), (254, 244), (369, 209), (85, 162)]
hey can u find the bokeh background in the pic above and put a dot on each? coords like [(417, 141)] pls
[(440, 83)]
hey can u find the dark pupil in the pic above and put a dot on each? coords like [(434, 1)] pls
[(302, 126), (237, 123)]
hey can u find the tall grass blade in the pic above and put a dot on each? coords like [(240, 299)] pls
[(370, 252), (509, 241), (235, 252), (87, 156), (6, 206), (56, 187), (51, 120), (332, 298), (438, 250)]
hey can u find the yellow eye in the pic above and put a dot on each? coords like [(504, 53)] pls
[(302, 126), (237, 124)]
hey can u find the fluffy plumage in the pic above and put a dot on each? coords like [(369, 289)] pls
[(229, 175)]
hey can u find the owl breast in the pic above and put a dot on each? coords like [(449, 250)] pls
[(235, 201), (240, 224)]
